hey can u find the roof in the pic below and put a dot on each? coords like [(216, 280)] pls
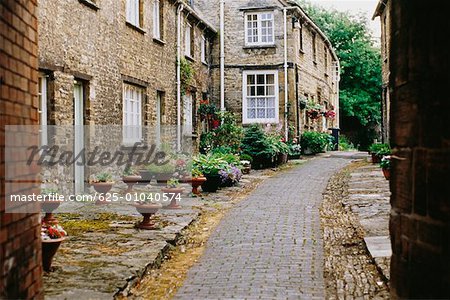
[(380, 8), (197, 15)]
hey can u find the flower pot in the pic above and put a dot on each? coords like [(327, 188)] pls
[(49, 249), (130, 181), (386, 173), (146, 177), (147, 210), (246, 170), (163, 177), (102, 187), (48, 207), (376, 159), (282, 158), (196, 182), (211, 184), (173, 194)]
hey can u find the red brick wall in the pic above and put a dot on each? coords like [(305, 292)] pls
[(420, 133), (20, 252)]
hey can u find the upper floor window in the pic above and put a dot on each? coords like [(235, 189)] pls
[(314, 48), (204, 49), (259, 28), (188, 40), (325, 59), (158, 19), (134, 12), (132, 113), (300, 37)]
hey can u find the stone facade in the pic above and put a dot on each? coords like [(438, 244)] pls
[(383, 11), (420, 135), (309, 78), (20, 233)]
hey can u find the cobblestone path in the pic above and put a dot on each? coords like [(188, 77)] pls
[(270, 245)]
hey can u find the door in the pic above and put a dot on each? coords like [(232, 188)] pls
[(159, 101), (187, 114), (78, 99)]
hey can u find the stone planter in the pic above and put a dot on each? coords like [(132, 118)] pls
[(196, 182), (386, 173), (130, 181), (211, 184), (146, 177), (147, 211), (102, 187), (163, 177), (48, 207), (49, 249), (173, 193)]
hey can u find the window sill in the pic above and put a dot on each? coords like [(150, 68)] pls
[(89, 4), (301, 51), (190, 58), (260, 46), (138, 29), (159, 41)]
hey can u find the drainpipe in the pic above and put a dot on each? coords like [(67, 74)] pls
[(179, 10), (286, 86), (222, 55)]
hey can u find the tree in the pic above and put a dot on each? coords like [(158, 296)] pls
[(360, 61)]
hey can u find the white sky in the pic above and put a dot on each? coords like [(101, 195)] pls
[(355, 7)]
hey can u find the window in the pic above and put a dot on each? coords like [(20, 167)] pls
[(43, 109), (132, 113), (260, 97), (204, 49), (325, 57), (300, 37), (314, 48), (159, 115), (189, 40), (158, 20), (134, 12), (259, 29)]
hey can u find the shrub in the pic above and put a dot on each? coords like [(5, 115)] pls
[(380, 149), (345, 144), (256, 145), (316, 142)]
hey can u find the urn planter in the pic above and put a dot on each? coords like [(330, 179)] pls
[(147, 210), (49, 249), (163, 177), (196, 182), (146, 177), (130, 181), (173, 193), (102, 187), (48, 207)]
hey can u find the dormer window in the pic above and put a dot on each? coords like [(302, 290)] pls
[(259, 28)]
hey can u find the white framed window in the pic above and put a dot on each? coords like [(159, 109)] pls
[(156, 20), (134, 10), (260, 97), (43, 112), (132, 113), (259, 28), (204, 49), (188, 40)]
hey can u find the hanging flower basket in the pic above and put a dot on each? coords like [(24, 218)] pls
[(331, 114), (313, 114)]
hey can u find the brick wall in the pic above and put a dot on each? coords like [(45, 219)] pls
[(420, 216), (21, 271)]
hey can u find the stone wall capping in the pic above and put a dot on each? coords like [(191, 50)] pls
[(90, 4)]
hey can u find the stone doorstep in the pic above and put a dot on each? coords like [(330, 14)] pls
[(380, 250)]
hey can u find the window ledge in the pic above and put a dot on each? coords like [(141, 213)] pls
[(159, 41), (259, 46), (301, 51), (188, 57), (90, 4), (138, 29)]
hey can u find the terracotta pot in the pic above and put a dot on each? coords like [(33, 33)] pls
[(196, 182), (147, 210), (102, 187), (211, 184), (130, 181), (387, 173), (375, 158), (49, 249), (48, 207), (170, 191)]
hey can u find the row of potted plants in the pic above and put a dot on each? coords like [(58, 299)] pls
[(378, 150), (316, 142)]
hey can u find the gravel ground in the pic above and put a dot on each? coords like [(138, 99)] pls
[(349, 270)]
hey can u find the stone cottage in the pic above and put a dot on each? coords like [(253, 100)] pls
[(114, 62), (274, 61), (382, 11)]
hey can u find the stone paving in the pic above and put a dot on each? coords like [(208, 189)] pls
[(270, 245)]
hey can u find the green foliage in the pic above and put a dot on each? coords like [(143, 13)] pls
[(173, 183), (316, 142), (186, 74), (380, 149), (360, 61), (103, 177), (345, 144), (166, 168), (210, 164), (276, 144), (255, 143), (196, 173), (246, 157), (385, 163)]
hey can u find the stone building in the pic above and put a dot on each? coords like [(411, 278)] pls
[(255, 64), (114, 62), (382, 11)]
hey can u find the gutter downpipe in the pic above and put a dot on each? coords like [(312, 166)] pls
[(179, 10), (222, 55), (286, 85)]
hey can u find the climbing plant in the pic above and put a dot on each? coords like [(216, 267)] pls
[(186, 75)]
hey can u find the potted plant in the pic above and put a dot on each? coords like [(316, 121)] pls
[(377, 152), (50, 204), (197, 180), (130, 177), (230, 176), (146, 175), (314, 142), (385, 165), (162, 172), (173, 192), (52, 235), (210, 165), (102, 182), (147, 208), (295, 149)]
